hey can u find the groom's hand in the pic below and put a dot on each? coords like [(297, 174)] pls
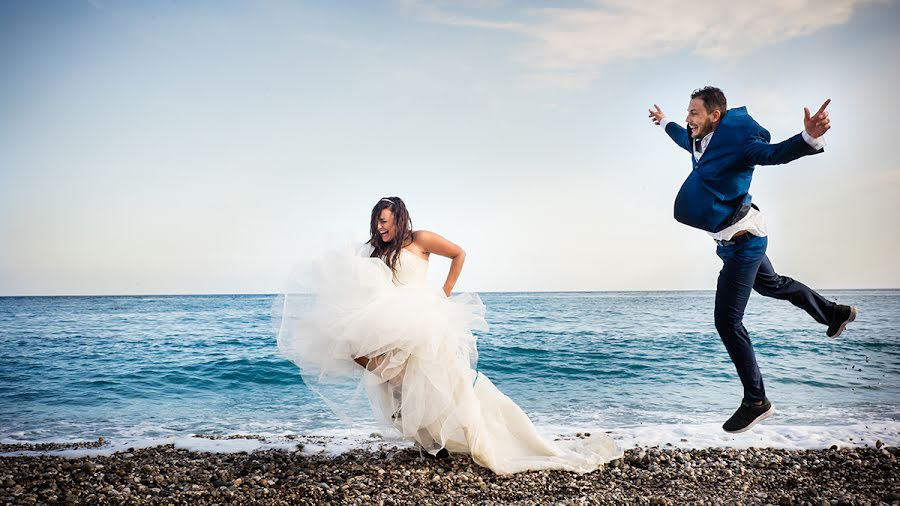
[(657, 115), (818, 124)]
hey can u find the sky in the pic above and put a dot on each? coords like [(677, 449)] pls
[(210, 146)]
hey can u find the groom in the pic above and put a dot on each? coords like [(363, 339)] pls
[(725, 146)]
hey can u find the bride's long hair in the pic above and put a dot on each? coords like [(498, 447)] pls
[(389, 252)]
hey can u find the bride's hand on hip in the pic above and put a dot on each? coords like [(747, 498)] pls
[(431, 242)]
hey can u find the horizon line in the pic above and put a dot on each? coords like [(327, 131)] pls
[(469, 291)]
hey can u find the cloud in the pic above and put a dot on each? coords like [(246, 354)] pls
[(887, 177), (569, 44), (97, 5), (440, 12)]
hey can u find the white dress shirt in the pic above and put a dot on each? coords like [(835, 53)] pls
[(753, 222)]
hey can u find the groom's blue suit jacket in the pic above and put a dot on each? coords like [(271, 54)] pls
[(718, 186)]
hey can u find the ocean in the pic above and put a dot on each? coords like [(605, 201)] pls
[(646, 367)]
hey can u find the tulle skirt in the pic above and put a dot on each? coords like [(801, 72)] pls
[(420, 355)]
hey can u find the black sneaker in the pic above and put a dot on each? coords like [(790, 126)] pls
[(441, 454), (748, 415), (843, 316)]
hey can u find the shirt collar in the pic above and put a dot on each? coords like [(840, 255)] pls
[(704, 142)]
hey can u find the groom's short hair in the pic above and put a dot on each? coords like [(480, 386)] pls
[(712, 98)]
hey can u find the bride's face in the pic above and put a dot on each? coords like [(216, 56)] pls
[(387, 227)]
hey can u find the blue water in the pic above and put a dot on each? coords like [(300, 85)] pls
[(148, 367)]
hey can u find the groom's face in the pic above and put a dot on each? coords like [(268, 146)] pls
[(699, 120)]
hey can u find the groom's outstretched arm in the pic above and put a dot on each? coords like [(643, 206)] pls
[(678, 133), (760, 152), (808, 142)]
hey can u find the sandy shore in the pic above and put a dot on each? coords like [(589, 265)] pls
[(165, 475)]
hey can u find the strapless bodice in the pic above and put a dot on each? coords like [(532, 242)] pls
[(410, 269)]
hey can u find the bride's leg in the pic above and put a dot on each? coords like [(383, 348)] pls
[(392, 385), (392, 375)]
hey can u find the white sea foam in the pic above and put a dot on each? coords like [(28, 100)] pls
[(762, 436), (201, 444), (107, 449), (337, 441), (330, 443)]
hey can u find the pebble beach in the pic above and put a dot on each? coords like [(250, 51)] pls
[(393, 475)]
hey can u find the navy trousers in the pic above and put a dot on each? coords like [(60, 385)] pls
[(745, 267)]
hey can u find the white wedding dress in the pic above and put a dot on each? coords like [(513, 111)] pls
[(420, 377)]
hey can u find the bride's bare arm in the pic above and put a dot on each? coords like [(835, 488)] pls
[(434, 243)]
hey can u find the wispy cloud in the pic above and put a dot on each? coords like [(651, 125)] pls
[(447, 13), (887, 177), (573, 43), (96, 4)]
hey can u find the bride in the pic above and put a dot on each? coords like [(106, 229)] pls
[(374, 319)]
